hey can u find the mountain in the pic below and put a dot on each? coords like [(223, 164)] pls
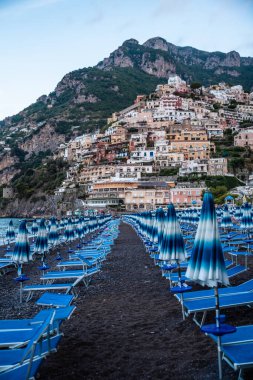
[(84, 98), (160, 58)]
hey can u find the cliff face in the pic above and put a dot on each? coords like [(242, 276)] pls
[(159, 57), (47, 139)]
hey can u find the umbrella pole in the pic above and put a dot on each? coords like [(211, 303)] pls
[(217, 315), (21, 283), (180, 284)]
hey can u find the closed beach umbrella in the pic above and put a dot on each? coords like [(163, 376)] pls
[(172, 246), (41, 244), (53, 236), (246, 222), (226, 221), (34, 227), (159, 214), (21, 253), (10, 233), (194, 218), (207, 265), (69, 231), (79, 229)]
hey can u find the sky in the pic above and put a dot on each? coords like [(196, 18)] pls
[(42, 40)]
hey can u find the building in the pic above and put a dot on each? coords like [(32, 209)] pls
[(217, 166), (142, 156), (183, 196), (196, 167), (148, 196), (244, 138), (110, 193)]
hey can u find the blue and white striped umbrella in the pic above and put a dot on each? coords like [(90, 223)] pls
[(157, 225), (53, 236), (194, 216), (246, 222), (207, 265), (172, 247), (34, 227), (21, 252), (226, 221), (85, 226), (69, 231), (41, 244), (10, 233)]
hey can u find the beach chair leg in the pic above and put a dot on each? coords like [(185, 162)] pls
[(182, 305), (240, 375), (200, 324), (29, 297), (203, 318)]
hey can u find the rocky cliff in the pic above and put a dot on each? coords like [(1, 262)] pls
[(159, 58)]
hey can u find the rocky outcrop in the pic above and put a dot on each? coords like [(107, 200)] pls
[(116, 59), (46, 139), (159, 57), (159, 67), (6, 161), (157, 43)]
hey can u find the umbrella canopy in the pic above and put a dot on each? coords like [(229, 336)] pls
[(53, 236), (34, 227), (246, 222), (157, 225), (41, 245), (206, 265), (21, 253), (226, 221), (10, 233), (172, 248), (80, 228), (69, 231)]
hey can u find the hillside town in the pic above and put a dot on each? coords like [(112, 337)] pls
[(150, 152)]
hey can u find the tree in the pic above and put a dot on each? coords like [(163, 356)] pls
[(195, 85)]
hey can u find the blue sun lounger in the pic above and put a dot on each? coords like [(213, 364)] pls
[(74, 274), (231, 272), (209, 293), (243, 334), (60, 314), (23, 363), (18, 337), (239, 356), (5, 266), (69, 287), (237, 348), (206, 304), (55, 300), (80, 261)]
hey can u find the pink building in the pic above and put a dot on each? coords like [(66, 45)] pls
[(183, 196), (244, 138)]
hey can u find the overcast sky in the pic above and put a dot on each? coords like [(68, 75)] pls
[(41, 40)]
